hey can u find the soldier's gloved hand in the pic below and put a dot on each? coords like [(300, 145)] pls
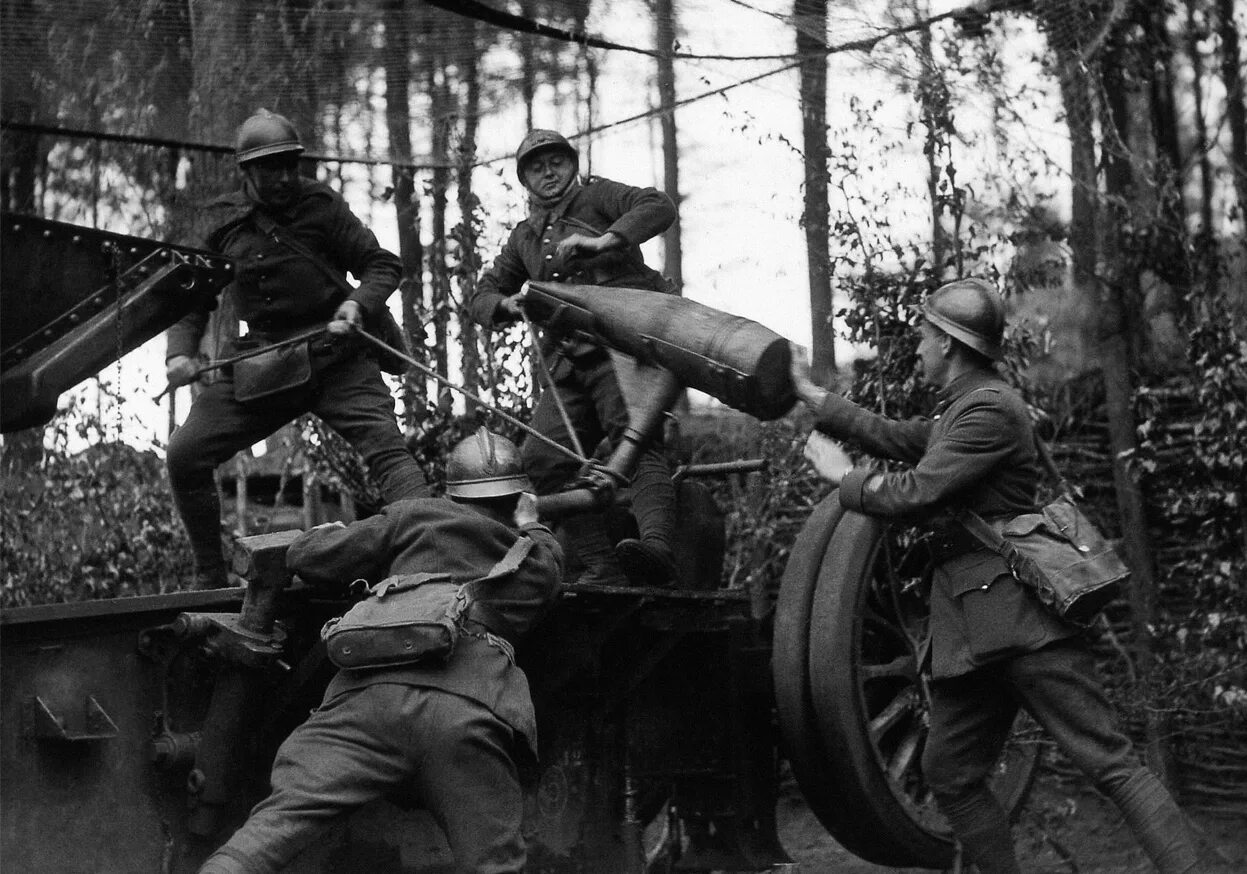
[(828, 457), (582, 244), (349, 317), (525, 510), (181, 370)]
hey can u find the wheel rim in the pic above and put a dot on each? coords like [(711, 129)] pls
[(867, 630)]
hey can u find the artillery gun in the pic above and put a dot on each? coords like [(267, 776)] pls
[(138, 732)]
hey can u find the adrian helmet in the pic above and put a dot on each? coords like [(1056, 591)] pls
[(485, 465), (539, 141), (969, 310), (264, 134)]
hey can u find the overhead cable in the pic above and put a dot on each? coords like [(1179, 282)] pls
[(508, 21)]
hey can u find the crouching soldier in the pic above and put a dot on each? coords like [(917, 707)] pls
[(441, 715)]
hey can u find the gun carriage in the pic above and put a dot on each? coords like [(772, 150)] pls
[(137, 732)]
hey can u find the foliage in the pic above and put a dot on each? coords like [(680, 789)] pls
[(83, 525)]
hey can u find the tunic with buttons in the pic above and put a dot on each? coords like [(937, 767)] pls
[(977, 451), (594, 208), (276, 290)]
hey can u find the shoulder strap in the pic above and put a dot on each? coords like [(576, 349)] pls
[(481, 611), (265, 223)]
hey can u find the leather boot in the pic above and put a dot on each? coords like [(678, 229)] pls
[(649, 560), (586, 533), (200, 509), (1157, 822), (981, 825)]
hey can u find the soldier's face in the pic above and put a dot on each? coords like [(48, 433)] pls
[(933, 348), (547, 174), (276, 179)]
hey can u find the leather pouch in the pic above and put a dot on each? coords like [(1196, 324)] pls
[(405, 619), (272, 372)]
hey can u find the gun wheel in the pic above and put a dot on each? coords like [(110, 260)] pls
[(850, 623)]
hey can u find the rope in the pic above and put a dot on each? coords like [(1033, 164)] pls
[(545, 373), (506, 417)]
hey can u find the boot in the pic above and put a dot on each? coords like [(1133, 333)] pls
[(981, 826), (586, 533), (200, 509), (1157, 822), (650, 560)]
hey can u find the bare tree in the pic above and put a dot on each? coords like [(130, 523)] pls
[(810, 19), (673, 247)]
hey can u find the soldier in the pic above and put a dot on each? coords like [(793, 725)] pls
[(292, 240), (452, 734), (585, 231), (994, 646)]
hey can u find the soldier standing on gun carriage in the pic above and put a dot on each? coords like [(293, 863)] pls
[(452, 731), (994, 646), (588, 232), (292, 241)]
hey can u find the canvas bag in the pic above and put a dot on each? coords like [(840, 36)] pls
[(1057, 552), (268, 373), (413, 618)]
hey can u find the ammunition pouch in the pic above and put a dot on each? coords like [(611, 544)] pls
[(272, 372), (419, 618), (1060, 554)]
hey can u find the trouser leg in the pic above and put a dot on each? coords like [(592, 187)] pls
[(468, 781), (216, 428), (551, 471), (348, 753), (354, 400), (649, 558), (971, 717), (1059, 686)]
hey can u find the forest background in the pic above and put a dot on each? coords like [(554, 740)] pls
[(832, 162)]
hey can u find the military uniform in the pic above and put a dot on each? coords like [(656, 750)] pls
[(994, 647), (583, 374), (280, 293), (452, 735)]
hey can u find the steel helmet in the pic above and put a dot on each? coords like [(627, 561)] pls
[(541, 140), (264, 134), (969, 310), (485, 465)]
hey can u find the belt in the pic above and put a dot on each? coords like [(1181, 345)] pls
[(948, 545)]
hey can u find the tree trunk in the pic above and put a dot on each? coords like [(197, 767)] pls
[(673, 248), (469, 258), (1236, 109), (810, 18), (1131, 195), (933, 104), (439, 92), (406, 206), (1200, 131)]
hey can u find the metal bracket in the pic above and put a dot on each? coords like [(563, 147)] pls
[(46, 725)]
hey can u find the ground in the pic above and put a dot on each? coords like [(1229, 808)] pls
[(1064, 830)]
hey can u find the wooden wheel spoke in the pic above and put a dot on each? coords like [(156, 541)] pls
[(895, 711), (901, 666), (905, 755)]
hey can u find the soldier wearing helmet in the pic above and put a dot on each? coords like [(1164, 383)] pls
[(994, 647), (292, 241), (585, 231), (454, 734)]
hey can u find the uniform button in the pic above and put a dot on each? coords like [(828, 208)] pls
[(557, 276), (546, 240), (268, 300), (548, 257), (260, 256)]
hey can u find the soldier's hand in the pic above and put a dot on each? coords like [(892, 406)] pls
[(525, 510), (799, 372), (828, 457), (509, 309), (582, 244), (181, 370), (349, 317)]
